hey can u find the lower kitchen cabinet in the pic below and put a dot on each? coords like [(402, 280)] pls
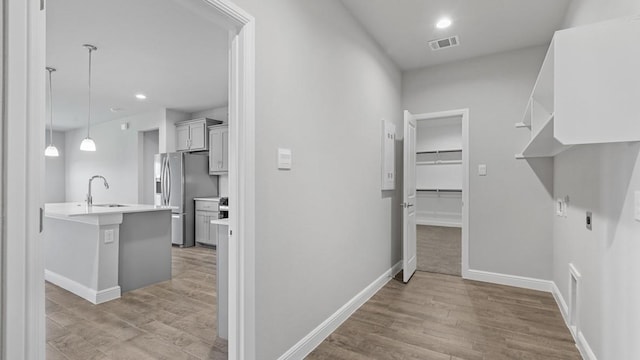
[(206, 233)]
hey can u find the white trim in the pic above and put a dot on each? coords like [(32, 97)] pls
[(24, 113), (464, 113), (306, 345), (584, 348), (510, 280), (581, 342), (105, 295), (91, 295), (562, 305), (241, 180)]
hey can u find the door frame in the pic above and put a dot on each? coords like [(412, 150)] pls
[(464, 114), (23, 120)]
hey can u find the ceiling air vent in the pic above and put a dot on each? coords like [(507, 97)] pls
[(444, 43)]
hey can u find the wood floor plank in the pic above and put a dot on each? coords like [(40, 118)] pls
[(438, 316), (174, 319)]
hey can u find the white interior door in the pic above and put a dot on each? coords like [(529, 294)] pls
[(409, 259)]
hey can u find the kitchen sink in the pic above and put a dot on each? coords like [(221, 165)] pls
[(110, 205)]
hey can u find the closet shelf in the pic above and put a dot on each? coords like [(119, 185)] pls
[(543, 143), (439, 151), (439, 162)]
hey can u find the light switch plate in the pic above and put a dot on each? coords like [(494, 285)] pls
[(637, 205), (284, 159), (108, 236), (482, 170)]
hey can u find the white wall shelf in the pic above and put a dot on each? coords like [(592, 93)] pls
[(574, 101), (543, 143)]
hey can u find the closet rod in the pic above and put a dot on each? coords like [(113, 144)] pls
[(441, 190), (438, 151)]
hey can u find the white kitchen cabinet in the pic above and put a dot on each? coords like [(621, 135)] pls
[(206, 233), (587, 89), (191, 135), (218, 149)]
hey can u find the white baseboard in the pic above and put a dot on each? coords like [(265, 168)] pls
[(93, 296), (510, 280), (438, 223), (581, 341), (304, 347), (584, 348)]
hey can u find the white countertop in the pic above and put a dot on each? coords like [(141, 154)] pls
[(220, 222), (80, 209), (207, 199)]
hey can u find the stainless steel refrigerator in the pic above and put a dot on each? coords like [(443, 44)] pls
[(179, 177)]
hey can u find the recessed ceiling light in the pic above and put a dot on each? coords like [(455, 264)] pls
[(443, 23), (141, 96)]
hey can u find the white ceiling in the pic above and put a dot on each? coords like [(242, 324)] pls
[(404, 27), (160, 48)]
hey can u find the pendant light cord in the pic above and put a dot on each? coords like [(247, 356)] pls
[(50, 70), (89, 116)]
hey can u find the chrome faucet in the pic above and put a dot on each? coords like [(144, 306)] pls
[(106, 186)]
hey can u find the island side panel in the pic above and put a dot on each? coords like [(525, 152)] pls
[(145, 249), (78, 259)]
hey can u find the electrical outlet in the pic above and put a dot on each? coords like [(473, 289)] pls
[(109, 236)]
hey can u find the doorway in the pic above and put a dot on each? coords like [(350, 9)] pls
[(23, 189), (439, 195), (436, 193)]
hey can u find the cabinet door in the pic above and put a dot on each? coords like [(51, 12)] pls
[(213, 232), (182, 137), (198, 133), (201, 231), (219, 150), (215, 152), (225, 149)]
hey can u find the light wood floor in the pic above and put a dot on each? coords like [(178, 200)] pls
[(444, 317), (439, 249), (172, 320)]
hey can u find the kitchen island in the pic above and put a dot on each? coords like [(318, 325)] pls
[(99, 251)]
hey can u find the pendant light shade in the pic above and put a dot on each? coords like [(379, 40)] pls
[(51, 150), (88, 144)]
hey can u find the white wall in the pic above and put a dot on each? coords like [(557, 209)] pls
[(218, 113), (118, 157), (601, 179), (510, 225), (54, 170), (150, 147), (324, 229)]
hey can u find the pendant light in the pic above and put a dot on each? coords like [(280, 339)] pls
[(88, 144), (51, 150)]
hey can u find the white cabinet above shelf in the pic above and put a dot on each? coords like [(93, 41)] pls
[(587, 89)]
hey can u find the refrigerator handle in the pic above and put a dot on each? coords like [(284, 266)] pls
[(168, 183), (161, 181), (165, 167)]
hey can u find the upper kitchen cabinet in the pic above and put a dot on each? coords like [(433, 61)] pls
[(587, 89), (218, 149), (191, 135)]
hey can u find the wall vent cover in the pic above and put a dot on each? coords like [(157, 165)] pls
[(448, 42)]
